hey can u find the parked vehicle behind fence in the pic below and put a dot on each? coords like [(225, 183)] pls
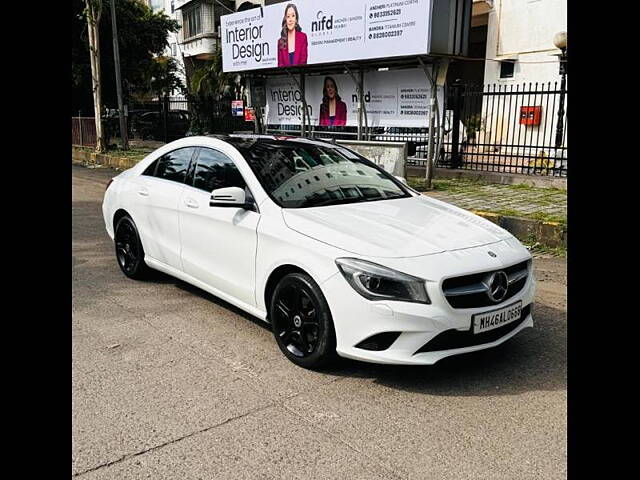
[(150, 125)]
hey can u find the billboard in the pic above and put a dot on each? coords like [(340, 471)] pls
[(307, 32), (397, 98)]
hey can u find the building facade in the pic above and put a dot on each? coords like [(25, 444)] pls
[(199, 20), (174, 48), (511, 41), (520, 40), (521, 119)]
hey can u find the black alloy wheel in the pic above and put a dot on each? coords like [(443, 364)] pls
[(129, 251), (301, 322)]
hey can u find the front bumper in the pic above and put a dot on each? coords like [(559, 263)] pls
[(357, 319)]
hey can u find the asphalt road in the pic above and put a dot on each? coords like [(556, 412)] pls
[(170, 382)]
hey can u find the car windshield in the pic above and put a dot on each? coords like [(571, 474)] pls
[(298, 174)]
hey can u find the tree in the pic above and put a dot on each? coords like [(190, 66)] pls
[(93, 12), (209, 86), (142, 36), (210, 80), (164, 78)]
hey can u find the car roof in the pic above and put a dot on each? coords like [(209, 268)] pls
[(246, 141)]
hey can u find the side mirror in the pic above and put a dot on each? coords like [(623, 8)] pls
[(402, 179), (234, 197)]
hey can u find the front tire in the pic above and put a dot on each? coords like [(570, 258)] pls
[(129, 251), (301, 322)]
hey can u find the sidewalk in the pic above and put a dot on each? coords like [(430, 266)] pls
[(533, 214)]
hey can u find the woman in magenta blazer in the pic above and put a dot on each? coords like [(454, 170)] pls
[(333, 111), (292, 44)]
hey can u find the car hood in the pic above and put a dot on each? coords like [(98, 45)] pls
[(406, 227)]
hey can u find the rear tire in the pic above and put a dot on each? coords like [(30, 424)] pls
[(301, 322), (129, 251)]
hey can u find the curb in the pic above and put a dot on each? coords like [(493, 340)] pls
[(549, 234), (89, 158), (540, 181)]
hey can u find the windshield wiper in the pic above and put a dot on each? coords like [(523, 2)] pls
[(391, 197), (340, 201), (335, 201)]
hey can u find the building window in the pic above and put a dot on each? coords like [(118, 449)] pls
[(174, 51), (192, 22), (173, 7), (507, 68)]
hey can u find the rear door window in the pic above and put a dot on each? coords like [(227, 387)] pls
[(173, 166), (151, 169)]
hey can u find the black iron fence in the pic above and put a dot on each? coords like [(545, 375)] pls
[(169, 118), (216, 117), (163, 119), (507, 128)]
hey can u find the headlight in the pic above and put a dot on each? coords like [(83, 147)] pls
[(376, 282)]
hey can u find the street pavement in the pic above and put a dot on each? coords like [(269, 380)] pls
[(171, 382)]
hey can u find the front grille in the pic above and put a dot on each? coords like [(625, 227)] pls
[(452, 339), (468, 291)]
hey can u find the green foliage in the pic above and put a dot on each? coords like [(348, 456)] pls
[(542, 163), (164, 77), (142, 36), (210, 80), (473, 126), (209, 89)]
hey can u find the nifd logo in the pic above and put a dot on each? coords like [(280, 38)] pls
[(322, 23)]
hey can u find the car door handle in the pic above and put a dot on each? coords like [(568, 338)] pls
[(143, 192), (189, 202)]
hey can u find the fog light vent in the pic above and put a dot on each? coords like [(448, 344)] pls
[(379, 341)]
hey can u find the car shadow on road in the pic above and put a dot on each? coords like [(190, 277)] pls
[(533, 360), (187, 287)]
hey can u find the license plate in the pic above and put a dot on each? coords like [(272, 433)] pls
[(483, 322)]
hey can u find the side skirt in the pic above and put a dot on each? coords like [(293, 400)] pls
[(251, 309)]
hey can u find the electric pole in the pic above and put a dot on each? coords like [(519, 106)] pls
[(124, 137)]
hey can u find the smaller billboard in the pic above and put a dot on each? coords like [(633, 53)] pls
[(249, 114), (237, 108)]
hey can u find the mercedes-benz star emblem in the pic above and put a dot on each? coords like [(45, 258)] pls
[(497, 286)]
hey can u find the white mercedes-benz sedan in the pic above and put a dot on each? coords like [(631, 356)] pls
[(340, 257)]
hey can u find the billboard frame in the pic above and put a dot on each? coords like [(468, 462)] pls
[(448, 37)]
